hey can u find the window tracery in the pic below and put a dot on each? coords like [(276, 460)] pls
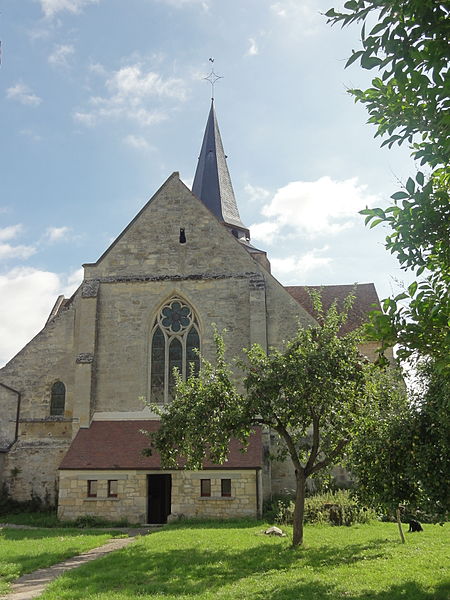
[(175, 342)]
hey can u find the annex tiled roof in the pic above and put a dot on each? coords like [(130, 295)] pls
[(212, 181), (119, 445), (366, 299)]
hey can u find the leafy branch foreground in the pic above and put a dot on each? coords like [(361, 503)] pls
[(408, 43)]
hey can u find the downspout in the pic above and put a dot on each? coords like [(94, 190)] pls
[(258, 477), (16, 432)]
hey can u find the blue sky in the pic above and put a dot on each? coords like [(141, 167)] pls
[(101, 100)]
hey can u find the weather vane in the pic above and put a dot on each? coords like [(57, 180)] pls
[(212, 78)]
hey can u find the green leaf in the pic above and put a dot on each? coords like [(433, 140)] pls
[(410, 185), (353, 57), (379, 27), (376, 222), (399, 195), (351, 5), (420, 178), (369, 62), (412, 288)]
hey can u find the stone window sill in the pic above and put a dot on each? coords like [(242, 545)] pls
[(51, 419), (101, 499), (217, 498)]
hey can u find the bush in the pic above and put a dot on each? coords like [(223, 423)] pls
[(34, 505), (89, 521), (336, 508)]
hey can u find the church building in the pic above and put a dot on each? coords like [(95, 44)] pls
[(73, 400)]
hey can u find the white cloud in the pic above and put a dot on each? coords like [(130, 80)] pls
[(73, 281), (55, 234), (136, 141), (61, 55), (51, 7), (23, 94), (98, 69), (297, 267), (27, 296), (299, 16), (314, 208), (130, 90), (87, 119), (132, 83), (8, 251), (253, 47), (10, 232), (32, 135), (182, 3), (256, 193), (266, 231), (288, 9)]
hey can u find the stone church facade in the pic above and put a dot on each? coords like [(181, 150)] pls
[(72, 400)]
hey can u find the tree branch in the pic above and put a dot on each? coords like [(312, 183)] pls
[(290, 445), (315, 445), (327, 461)]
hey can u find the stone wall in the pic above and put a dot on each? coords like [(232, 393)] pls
[(131, 501), (31, 468), (9, 400)]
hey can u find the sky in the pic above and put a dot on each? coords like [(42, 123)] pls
[(101, 100)]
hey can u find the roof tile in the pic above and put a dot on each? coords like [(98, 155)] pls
[(119, 445), (366, 299)]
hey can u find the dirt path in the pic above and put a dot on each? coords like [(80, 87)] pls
[(33, 584)]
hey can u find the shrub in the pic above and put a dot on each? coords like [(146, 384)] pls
[(336, 508), (34, 505), (88, 521)]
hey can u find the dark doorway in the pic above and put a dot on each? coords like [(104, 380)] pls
[(159, 497)]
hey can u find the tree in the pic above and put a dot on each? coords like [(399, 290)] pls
[(380, 455), (431, 440), (312, 393), (401, 458), (409, 102)]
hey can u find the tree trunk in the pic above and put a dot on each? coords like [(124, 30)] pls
[(399, 523), (299, 510)]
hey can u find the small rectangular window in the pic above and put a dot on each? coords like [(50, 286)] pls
[(92, 488), (205, 487), (112, 488), (226, 487)]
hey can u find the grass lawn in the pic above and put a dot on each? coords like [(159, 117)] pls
[(235, 561), (25, 550)]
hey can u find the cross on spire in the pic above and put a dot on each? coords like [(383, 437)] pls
[(212, 78)]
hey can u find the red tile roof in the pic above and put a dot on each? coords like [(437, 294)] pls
[(119, 445), (366, 299)]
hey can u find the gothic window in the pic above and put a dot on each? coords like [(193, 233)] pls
[(175, 342), (57, 399)]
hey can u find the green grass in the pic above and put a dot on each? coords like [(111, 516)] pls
[(235, 561), (25, 550), (50, 519), (35, 519)]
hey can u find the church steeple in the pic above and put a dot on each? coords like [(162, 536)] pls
[(212, 181)]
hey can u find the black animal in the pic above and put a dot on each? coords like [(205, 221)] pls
[(414, 526)]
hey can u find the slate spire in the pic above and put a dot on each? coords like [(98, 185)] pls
[(212, 181)]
